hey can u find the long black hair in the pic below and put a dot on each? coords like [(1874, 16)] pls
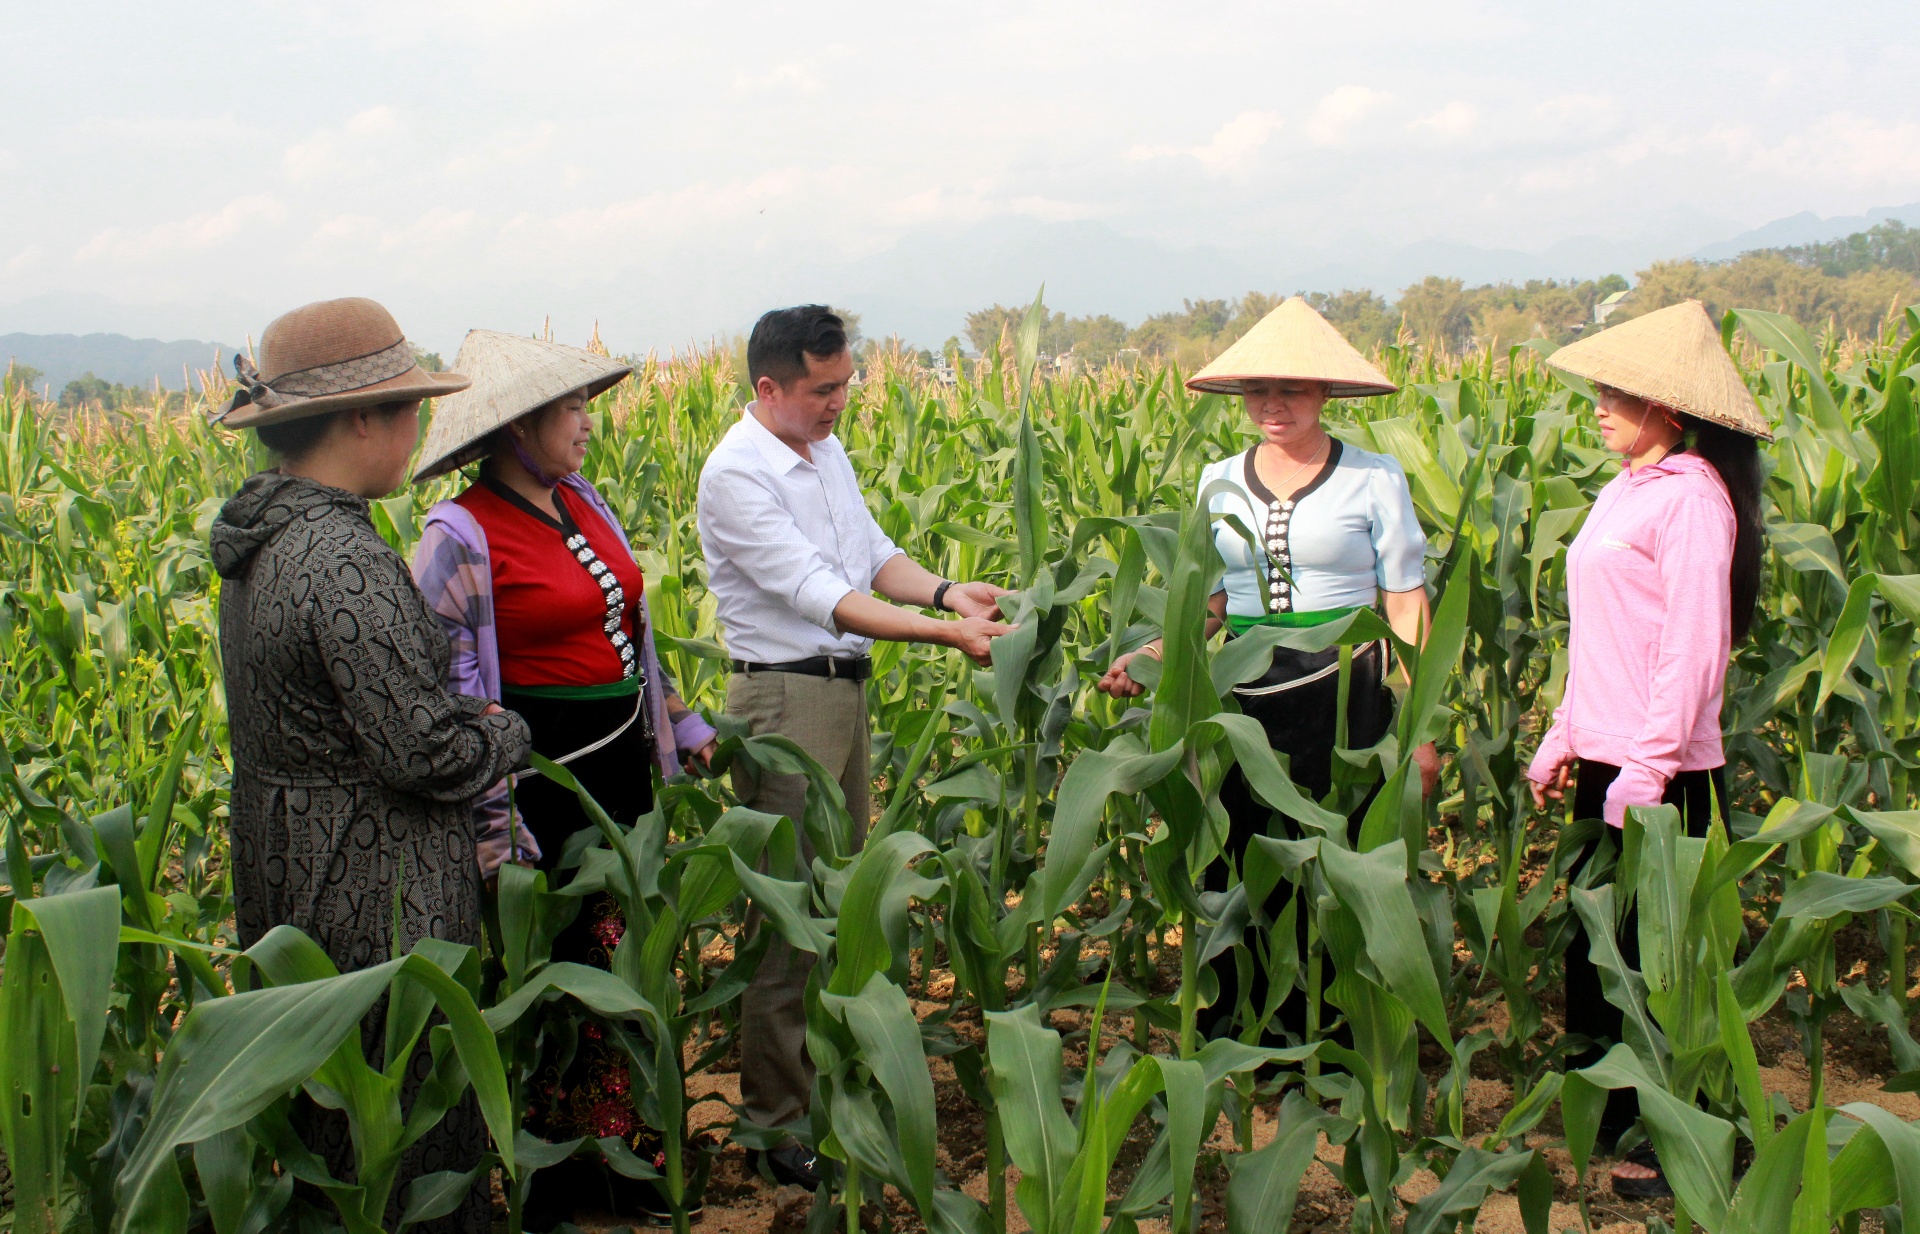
[(1736, 457)]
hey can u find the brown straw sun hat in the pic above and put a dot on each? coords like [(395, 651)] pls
[(1672, 357), (1297, 342), (511, 377), (329, 356)]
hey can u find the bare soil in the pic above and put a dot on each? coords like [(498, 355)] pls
[(740, 1202)]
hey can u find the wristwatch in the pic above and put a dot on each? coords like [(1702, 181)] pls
[(940, 596)]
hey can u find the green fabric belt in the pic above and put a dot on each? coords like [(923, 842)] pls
[(625, 688), (1292, 621)]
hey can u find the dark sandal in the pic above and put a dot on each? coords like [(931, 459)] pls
[(1641, 1188)]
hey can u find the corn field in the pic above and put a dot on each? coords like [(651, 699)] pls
[(1011, 965)]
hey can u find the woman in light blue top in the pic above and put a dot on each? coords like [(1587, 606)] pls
[(1337, 532)]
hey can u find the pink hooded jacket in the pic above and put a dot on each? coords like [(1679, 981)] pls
[(1651, 632)]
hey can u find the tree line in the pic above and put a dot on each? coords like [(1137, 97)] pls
[(1849, 285)]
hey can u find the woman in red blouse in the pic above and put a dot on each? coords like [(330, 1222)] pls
[(534, 579)]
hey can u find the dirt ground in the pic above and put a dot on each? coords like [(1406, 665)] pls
[(739, 1202)]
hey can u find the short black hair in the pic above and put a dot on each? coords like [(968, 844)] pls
[(784, 338), (294, 439)]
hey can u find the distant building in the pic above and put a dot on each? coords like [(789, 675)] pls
[(1604, 309)]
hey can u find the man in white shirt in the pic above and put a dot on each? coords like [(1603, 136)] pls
[(793, 555)]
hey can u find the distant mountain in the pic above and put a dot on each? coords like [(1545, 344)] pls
[(111, 357), (1806, 228)]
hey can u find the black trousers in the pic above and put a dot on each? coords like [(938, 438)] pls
[(1299, 721), (1588, 1011), (580, 1088)]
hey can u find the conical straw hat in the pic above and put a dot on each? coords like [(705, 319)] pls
[(511, 376), (1293, 341), (1672, 357)]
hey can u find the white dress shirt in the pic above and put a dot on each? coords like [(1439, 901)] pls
[(786, 539)]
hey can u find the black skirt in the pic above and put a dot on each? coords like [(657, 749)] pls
[(619, 775)]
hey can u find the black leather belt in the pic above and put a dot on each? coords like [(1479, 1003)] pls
[(851, 668)]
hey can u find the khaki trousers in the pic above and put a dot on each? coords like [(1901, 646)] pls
[(827, 719)]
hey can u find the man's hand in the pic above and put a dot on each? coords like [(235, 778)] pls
[(973, 637), (975, 599), (1427, 759), (1556, 785), (1117, 682)]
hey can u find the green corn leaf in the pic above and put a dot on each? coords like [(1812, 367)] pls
[(862, 949), (1536, 1195), (1861, 1175), (1902, 1143), (882, 1022), (1030, 527), (1738, 1044), (1186, 1088), (224, 1163), (1622, 984), (1374, 886), (1023, 1060), (1903, 592), (1896, 475), (432, 1196), (81, 934), (1474, 1173), (1822, 894), (233, 1056), (1764, 1204), (1696, 1149), (1082, 800), (1265, 1183), (597, 989), (1810, 1207), (1781, 333), (1185, 692), (1849, 631)]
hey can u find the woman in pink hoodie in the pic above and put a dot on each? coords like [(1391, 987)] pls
[(1661, 582)]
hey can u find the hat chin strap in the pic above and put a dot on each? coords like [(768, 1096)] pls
[(526, 460)]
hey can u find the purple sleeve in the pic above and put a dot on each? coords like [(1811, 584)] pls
[(454, 572), (457, 583)]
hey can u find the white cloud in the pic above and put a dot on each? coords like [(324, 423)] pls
[(786, 77), (352, 149), (1232, 145), (25, 259), (1576, 116), (510, 148), (195, 232), (1456, 119), (1856, 150), (1051, 210), (1335, 116), (438, 229)]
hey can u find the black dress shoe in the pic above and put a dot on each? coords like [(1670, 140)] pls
[(790, 1165)]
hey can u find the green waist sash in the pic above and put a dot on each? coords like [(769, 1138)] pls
[(1293, 621), (624, 688)]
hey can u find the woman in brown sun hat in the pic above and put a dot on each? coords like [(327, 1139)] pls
[(354, 769), (1661, 582), (1337, 532), (534, 581)]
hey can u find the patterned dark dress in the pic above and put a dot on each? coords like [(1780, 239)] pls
[(354, 770)]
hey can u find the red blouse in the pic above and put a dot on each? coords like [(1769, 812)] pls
[(549, 615)]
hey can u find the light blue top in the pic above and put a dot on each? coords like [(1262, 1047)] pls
[(1350, 532)]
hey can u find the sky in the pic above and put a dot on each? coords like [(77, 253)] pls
[(670, 171)]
